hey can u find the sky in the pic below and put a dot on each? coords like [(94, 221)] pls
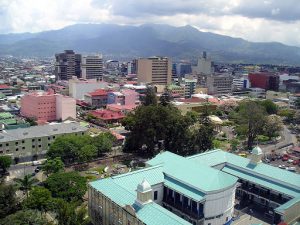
[(253, 20)]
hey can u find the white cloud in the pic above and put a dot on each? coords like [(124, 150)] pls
[(254, 20)]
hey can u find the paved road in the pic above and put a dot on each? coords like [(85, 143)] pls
[(287, 138), (19, 171)]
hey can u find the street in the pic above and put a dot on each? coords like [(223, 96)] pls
[(19, 171)]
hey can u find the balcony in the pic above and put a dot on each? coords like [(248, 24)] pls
[(186, 210), (263, 194)]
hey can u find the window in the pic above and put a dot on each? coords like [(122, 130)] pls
[(0, 145), (7, 144), (23, 141), (49, 138), (17, 143), (23, 148), (155, 195), (33, 140), (40, 146), (39, 139), (17, 149), (33, 146), (226, 219)]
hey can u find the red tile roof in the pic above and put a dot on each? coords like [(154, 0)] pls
[(4, 86), (107, 114), (99, 92)]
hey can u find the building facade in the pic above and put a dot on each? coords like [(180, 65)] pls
[(204, 65), (47, 106), (219, 84), (92, 67), (67, 65), (264, 80), (24, 143), (97, 99), (154, 70)]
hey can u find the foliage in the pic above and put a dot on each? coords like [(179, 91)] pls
[(154, 127), (53, 166), (69, 214), (234, 144), (270, 107), (273, 126), (68, 186), (165, 99), (103, 142), (262, 138), (39, 198), (25, 217), (250, 118), (5, 162), (8, 201), (287, 114), (150, 97), (31, 121), (73, 148), (26, 183)]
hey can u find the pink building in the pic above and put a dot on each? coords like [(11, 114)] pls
[(131, 96), (47, 106)]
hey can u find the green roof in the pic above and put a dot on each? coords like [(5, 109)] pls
[(287, 205), (217, 157), (279, 187), (6, 115), (184, 189), (150, 214)]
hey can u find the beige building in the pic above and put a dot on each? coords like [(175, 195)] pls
[(154, 70), (92, 67), (219, 84)]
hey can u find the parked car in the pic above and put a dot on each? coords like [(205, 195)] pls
[(296, 162), (267, 160), (281, 166), (92, 172), (36, 163), (37, 170), (285, 158), (292, 169), (290, 161)]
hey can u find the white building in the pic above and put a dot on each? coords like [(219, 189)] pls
[(204, 65), (92, 67)]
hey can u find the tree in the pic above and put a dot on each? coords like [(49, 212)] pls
[(156, 127), (69, 186), (150, 97), (86, 153), (68, 214), (270, 107), (39, 198), (273, 126), (5, 162), (251, 117), (8, 201), (53, 166), (287, 114), (165, 99), (26, 183), (25, 217), (103, 142), (31, 121)]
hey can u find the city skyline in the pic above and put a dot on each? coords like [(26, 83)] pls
[(269, 20)]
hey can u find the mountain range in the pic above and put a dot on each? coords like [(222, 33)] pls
[(124, 42)]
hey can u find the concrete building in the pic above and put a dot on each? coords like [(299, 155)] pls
[(24, 143), (204, 65), (219, 84), (183, 68), (154, 70), (189, 87), (79, 87), (47, 106), (294, 101), (199, 189), (67, 65), (264, 80), (240, 83), (176, 91), (115, 97), (92, 67), (6, 90), (96, 98)]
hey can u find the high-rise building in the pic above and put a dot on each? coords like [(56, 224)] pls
[(190, 86), (67, 65), (154, 70), (264, 80), (204, 65), (92, 67)]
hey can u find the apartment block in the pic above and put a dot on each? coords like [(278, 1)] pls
[(24, 143)]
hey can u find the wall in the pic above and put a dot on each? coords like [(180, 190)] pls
[(77, 90), (219, 203), (65, 107), (160, 193), (144, 71)]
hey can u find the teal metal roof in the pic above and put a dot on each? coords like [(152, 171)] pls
[(184, 189), (216, 157), (288, 204), (200, 177), (154, 214), (279, 187), (154, 175), (150, 214)]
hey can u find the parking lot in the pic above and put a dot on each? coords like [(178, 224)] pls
[(283, 161)]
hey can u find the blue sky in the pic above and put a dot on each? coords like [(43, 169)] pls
[(254, 20)]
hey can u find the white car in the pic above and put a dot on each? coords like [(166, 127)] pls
[(292, 169), (281, 166), (290, 161), (36, 163)]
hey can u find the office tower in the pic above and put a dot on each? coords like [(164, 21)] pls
[(92, 67), (219, 84), (204, 65), (132, 67), (154, 70), (67, 65)]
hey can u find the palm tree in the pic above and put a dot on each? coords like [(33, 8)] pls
[(26, 183)]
